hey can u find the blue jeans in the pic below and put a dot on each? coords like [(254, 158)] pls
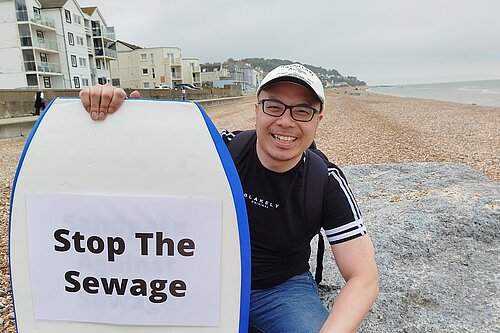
[(291, 307)]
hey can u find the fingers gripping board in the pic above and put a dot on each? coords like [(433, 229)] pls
[(133, 224)]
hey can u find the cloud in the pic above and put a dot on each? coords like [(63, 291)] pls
[(376, 41)]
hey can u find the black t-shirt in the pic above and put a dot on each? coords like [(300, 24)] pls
[(280, 239)]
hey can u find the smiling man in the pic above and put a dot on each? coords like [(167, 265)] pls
[(284, 295)]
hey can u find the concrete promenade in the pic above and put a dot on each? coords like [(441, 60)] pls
[(22, 126)]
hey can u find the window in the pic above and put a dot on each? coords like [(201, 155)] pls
[(71, 38), (73, 61), (36, 11), (46, 82), (98, 64), (77, 19), (85, 82), (151, 56), (20, 5), (67, 14), (76, 81), (32, 79), (40, 36), (43, 57), (144, 56), (144, 71), (79, 40), (83, 62), (146, 85)]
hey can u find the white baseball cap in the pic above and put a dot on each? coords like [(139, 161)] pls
[(295, 73)]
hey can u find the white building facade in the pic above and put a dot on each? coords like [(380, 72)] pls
[(191, 71), (50, 44)]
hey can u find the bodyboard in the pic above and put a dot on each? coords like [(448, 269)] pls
[(133, 224)]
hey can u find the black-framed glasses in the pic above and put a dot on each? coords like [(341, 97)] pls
[(276, 108)]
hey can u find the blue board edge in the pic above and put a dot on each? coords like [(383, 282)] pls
[(241, 214), (239, 203)]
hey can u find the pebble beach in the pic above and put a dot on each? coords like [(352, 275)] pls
[(359, 127)]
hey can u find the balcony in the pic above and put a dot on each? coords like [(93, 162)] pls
[(175, 62), (47, 44), (40, 43), (42, 67), (176, 76), (26, 16), (108, 33), (105, 52)]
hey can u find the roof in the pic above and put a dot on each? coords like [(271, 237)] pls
[(210, 67), (52, 3), (88, 10), (131, 46)]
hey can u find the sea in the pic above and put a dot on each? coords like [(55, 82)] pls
[(468, 92)]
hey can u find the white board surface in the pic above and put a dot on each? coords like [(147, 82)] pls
[(133, 224)]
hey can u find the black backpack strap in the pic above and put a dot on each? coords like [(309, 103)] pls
[(318, 274), (314, 183), (241, 144)]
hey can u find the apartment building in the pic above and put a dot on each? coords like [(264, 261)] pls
[(137, 67), (218, 75), (53, 44), (213, 72), (101, 45), (191, 71)]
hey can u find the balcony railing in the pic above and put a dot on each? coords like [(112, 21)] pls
[(24, 15), (44, 67), (41, 43), (105, 33), (44, 43), (105, 52), (176, 75), (48, 67)]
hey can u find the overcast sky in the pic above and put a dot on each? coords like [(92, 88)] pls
[(380, 42)]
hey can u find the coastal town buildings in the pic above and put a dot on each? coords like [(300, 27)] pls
[(58, 44), (54, 44), (137, 67), (217, 75), (213, 72)]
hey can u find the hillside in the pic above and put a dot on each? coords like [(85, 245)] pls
[(329, 76)]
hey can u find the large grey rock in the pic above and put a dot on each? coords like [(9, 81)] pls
[(435, 228)]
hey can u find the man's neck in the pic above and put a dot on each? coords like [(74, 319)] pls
[(274, 164)]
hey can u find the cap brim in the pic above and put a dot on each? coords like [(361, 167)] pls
[(290, 79)]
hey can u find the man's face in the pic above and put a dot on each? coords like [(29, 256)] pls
[(281, 141)]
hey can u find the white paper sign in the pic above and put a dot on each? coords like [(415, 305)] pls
[(125, 260)]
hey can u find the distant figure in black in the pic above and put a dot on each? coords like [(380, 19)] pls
[(39, 103)]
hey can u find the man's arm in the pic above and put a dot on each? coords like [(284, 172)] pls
[(356, 261), (99, 100)]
